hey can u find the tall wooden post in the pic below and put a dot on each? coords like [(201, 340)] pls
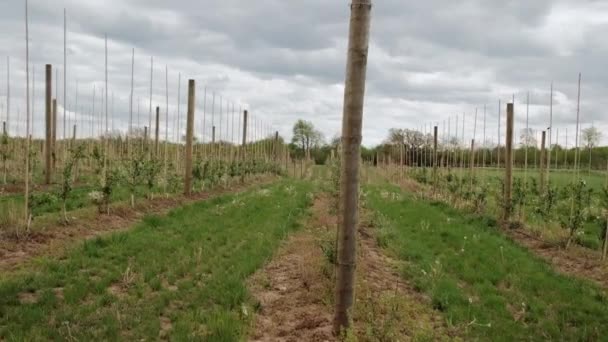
[(156, 132), (48, 165), (352, 117), (543, 163), (74, 135), (145, 138), (54, 134), (276, 145), (189, 138), (472, 164), (472, 157), (508, 191), (244, 144), (435, 158)]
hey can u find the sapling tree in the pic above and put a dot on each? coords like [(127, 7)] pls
[(547, 203), (76, 153), (151, 170), (4, 154), (135, 173), (197, 173), (519, 197), (110, 180), (576, 211), (40, 202), (480, 198)]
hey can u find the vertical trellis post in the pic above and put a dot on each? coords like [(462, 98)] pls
[(244, 143), (156, 132), (354, 92), (435, 158), (189, 137), (48, 165), (508, 191), (54, 134), (543, 163)]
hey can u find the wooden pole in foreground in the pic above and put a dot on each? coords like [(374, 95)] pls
[(276, 145), (244, 143), (508, 191), (189, 137), (146, 137), (54, 135), (543, 163), (156, 132), (472, 162), (48, 163), (352, 117), (435, 158)]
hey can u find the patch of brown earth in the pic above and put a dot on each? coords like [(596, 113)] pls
[(295, 290), (55, 238), (28, 297), (577, 260), (165, 327), (292, 291)]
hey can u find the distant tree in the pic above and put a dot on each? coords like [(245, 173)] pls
[(591, 137), (306, 137), (410, 138), (136, 133), (527, 138)]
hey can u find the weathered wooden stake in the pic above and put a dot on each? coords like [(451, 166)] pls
[(145, 137), (48, 165), (156, 150), (352, 117), (189, 137), (276, 145), (435, 158), (508, 191), (472, 164), (54, 134), (543, 163)]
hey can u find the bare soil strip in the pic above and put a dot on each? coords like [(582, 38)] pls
[(86, 224), (295, 290)]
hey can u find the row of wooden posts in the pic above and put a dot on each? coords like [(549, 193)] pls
[(51, 138)]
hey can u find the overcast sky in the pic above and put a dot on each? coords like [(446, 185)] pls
[(429, 61)]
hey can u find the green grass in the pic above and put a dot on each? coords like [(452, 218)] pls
[(189, 267), (482, 282)]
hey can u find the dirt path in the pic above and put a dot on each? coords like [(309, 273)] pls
[(85, 224), (295, 290)]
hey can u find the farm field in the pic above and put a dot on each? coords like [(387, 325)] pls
[(373, 171), (480, 280), (185, 275), (182, 274)]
